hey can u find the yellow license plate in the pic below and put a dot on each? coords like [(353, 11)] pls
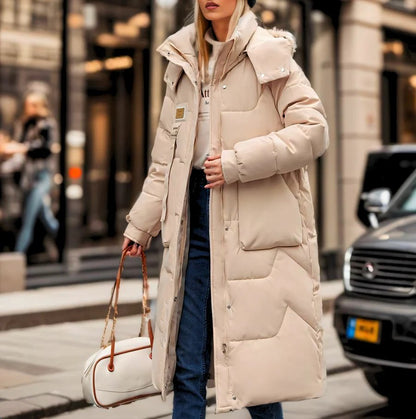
[(363, 329)]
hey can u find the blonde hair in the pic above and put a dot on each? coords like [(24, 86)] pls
[(41, 101), (202, 25)]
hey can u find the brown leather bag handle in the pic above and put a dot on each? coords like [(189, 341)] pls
[(113, 304)]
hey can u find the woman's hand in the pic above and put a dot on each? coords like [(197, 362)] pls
[(213, 172), (136, 249)]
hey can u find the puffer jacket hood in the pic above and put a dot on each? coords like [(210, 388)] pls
[(280, 43), (268, 124)]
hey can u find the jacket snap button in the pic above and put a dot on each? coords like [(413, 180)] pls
[(175, 298), (228, 306), (282, 69), (234, 398), (262, 75), (227, 228), (224, 86)]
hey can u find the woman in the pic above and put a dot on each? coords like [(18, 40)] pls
[(239, 284), (37, 137)]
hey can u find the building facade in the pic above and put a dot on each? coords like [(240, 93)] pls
[(377, 91)]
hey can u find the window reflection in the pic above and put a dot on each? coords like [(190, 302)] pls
[(112, 90), (30, 46), (399, 88), (407, 90)]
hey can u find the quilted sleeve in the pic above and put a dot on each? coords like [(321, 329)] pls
[(303, 138), (144, 217)]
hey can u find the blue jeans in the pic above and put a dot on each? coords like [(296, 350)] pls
[(34, 207), (194, 343)]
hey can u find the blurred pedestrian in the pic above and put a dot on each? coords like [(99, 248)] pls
[(238, 298), (38, 134), (11, 162), (9, 148)]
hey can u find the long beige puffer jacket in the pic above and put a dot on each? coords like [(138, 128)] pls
[(268, 124)]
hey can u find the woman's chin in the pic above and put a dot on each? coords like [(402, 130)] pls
[(213, 14)]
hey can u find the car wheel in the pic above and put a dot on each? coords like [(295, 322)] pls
[(393, 384)]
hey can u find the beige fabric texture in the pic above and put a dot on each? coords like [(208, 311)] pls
[(268, 124)]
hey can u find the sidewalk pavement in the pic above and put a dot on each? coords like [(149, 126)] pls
[(41, 362), (65, 303)]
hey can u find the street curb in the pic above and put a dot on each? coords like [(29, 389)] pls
[(29, 409), (73, 303), (91, 312), (97, 310), (71, 314)]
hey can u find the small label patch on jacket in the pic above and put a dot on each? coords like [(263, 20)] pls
[(181, 111)]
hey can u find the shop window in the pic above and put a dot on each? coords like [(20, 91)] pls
[(45, 14), (407, 125), (399, 88), (8, 12), (26, 66), (108, 107)]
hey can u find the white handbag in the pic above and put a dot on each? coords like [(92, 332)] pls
[(121, 371)]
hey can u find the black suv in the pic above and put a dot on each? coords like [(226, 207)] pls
[(375, 317)]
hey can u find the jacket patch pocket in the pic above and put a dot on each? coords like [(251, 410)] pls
[(269, 214)]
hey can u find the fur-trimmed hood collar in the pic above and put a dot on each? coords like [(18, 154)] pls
[(290, 38)]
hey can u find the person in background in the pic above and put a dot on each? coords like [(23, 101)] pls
[(38, 134), (238, 297)]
